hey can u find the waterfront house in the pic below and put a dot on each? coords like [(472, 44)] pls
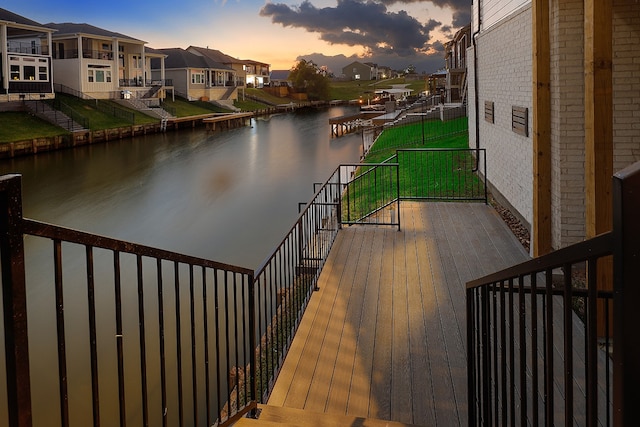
[(359, 71), (556, 106), (456, 65), (249, 73), (25, 60), (101, 63), (280, 78), (196, 76)]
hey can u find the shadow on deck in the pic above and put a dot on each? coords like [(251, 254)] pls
[(384, 337)]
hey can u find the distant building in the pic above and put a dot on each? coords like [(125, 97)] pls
[(101, 63), (251, 73), (197, 77), (280, 78), (359, 71), (456, 65), (25, 58)]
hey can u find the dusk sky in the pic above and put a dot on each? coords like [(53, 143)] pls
[(329, 32)]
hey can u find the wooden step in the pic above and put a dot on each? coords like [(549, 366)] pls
[(275, 416)]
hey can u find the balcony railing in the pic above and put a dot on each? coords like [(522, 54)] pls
[(540, 349), (88, 54), (171, 340), (27, 48)]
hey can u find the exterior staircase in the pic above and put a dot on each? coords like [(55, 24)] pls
[(275, 416), (46, 112), (138, 105)]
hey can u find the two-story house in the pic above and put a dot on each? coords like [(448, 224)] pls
[(25, 60), (257, 73), (554, 97), (456, 65), (197, 76), (359, 71), (248, 72), (100, 63)]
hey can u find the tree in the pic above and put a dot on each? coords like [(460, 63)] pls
[(306, 77)]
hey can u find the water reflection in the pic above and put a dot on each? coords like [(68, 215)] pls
[(226, 196)]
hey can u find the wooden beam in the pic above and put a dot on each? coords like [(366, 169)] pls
[(598, 126), (598, 54), (541, 227)]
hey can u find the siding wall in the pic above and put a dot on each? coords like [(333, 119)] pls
[(493, 11), (504, 64)]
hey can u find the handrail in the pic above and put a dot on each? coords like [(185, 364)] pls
[(55, 232), (553, 340), (596, 247)]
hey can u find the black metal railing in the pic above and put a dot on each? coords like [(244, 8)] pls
[(27, 48), (442, 174), (287, 278), (161, 333), (144, 336), (371, 193), (60, 114), (539, 343)]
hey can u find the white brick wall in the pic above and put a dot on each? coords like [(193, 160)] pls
[(504, 64), (567, 122), (505, 76), (626, 83)]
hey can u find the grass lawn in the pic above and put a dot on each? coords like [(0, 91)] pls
[(184, 108), (437, 134), (358, 88), (98, 119), (250, 105), (17, 126), (266, 96), (443, 175)]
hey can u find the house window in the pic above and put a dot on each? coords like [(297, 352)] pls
[(15, 72), (197, 77), (357, 76), (99, 74), (27, 68), (43, 73)]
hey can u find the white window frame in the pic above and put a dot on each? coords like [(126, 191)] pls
[(197, 77)]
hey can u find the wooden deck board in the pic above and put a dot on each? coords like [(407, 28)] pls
[(384, 337)]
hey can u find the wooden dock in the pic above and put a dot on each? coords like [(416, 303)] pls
[(384, 337), (352, 122), (225, 121)]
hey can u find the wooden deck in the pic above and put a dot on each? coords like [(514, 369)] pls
[(384, 337)]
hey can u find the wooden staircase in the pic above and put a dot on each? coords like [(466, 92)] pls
[(275, 416)]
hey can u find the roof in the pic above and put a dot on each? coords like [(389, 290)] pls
[(70, 28), (180, 58), (280, 74), (222, 58), (8, 16), (216, 55)]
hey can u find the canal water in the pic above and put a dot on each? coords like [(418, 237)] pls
[(230, 197)]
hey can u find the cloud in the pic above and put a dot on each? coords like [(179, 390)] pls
[(422, 63), (357, 23), (461, 9), (387, 37)]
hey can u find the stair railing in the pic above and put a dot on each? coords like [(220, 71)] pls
[(553, 340)]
